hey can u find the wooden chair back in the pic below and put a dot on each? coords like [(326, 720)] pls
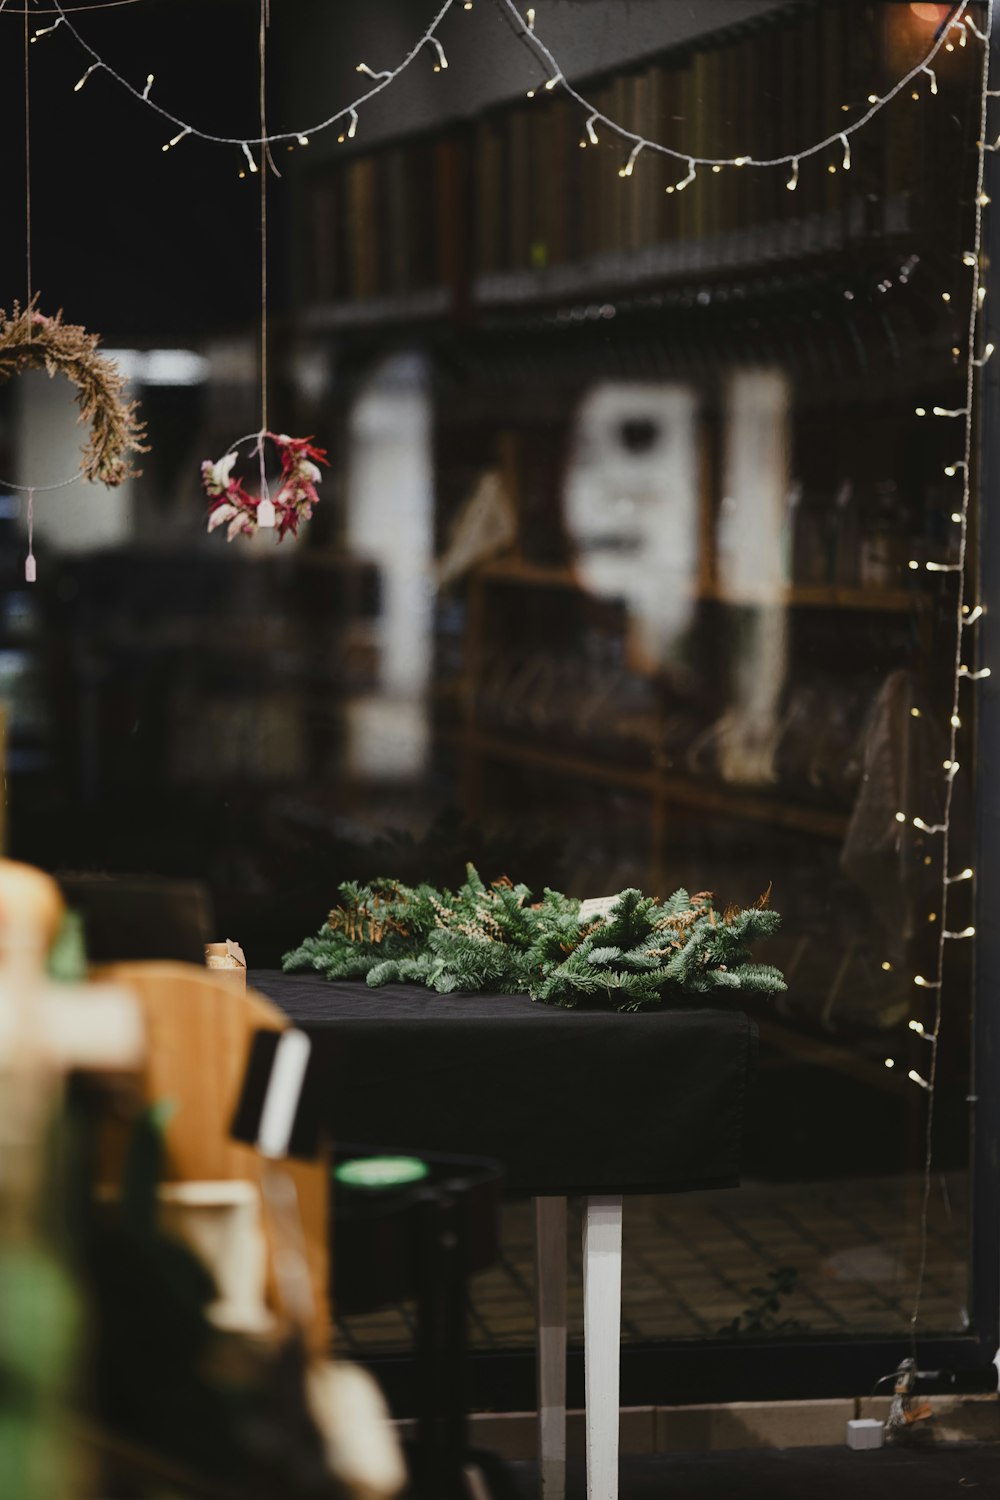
[(199, 1032)]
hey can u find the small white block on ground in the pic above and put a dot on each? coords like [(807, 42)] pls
[(865, 1432)]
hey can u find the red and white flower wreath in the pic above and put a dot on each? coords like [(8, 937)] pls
[(232, 502)]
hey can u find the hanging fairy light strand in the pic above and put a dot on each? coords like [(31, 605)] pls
[(528, 31), (381, 79), (526, 27)]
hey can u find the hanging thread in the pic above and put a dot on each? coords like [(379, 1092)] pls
[(266, 515), (30, 570), (27, 165)]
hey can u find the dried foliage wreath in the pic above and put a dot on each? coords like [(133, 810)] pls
[(30, 340)]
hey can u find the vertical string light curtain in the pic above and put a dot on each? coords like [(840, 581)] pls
[(966, 617), (959, 22)]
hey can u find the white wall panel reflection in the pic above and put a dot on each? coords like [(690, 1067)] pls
[(632, 508), (81, 517), (389, 523), (752, 567)]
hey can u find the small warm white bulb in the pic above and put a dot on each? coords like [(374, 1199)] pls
[(46, 30)]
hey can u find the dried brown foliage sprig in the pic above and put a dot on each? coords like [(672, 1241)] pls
[(30, 340)]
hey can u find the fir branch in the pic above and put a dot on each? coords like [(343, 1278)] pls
[(495, 939)]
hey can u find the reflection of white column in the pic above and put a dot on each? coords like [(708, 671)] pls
[(752, 567), (389, 523), (632, 507), (83, 517)]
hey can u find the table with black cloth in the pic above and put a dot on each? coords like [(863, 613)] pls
[(586, 1101)]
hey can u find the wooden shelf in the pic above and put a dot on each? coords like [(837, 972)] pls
[(820, 1052), (515, 570), (830, 596), (380, 312), (532, 575), (682, 791), (689, 257)]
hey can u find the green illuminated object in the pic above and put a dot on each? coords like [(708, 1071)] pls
[(381, 1171)]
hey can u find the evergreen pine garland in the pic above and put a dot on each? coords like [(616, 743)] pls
[(494, 939)]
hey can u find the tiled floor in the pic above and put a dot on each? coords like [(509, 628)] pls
[(848, 1251)]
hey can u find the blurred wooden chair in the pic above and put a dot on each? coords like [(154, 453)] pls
[(199, 1033)]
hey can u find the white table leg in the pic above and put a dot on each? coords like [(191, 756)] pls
[(602, 1327), (550, 1304)]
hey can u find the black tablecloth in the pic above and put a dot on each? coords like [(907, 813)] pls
[(569, 1101)]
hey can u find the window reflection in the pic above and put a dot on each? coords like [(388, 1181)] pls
[(389, 518), (610, 585), (631, 507)]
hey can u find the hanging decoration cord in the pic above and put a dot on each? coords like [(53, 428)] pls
[(42, 10), (27, 163), (264, 22), (266, 514), (963, 617), (30, 569)]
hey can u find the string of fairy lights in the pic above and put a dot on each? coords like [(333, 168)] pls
[(958, 24), (959, 28), (345, 120), (967, 616)]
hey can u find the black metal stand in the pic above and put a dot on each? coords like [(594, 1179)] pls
[(425, 1241)]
